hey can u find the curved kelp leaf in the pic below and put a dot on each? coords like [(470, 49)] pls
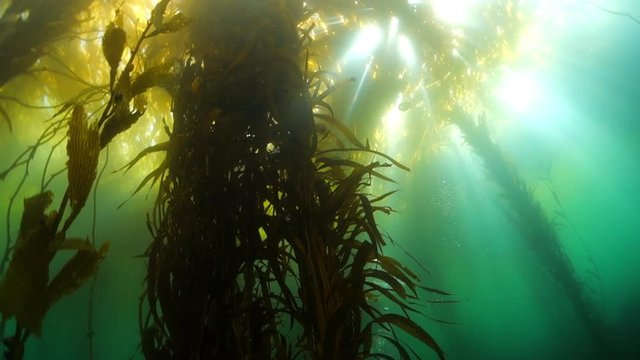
[(413, 329), (164, 146), (157, 14), (402, 351), (81, 267), (366, 150), (172, 24)]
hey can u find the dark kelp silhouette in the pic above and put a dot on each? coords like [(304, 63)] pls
[(265, 242), (27, 27), (534, 226), (264, 246), (264, 238)]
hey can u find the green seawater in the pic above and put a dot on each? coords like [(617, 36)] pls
[(576, 143)]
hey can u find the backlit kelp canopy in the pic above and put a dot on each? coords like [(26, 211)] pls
[(265, 241)]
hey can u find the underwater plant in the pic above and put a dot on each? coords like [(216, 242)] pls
[(535, 227), (265, 246), (265, 239), (265, 242), (26, 290), (28, 27)]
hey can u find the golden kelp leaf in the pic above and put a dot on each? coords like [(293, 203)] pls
[(157, 14), (153, 76), (83, 148), (81, 267), (173, 24)]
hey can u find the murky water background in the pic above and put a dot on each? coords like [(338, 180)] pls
[(564, 111)]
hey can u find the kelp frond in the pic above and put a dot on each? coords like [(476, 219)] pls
[(534, 225), (25, 290), (80, 268), (83, 149)]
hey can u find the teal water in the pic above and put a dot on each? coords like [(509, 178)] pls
[(575, 140), (581, 134)]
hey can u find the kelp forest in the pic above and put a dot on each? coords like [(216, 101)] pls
[(245, 141)]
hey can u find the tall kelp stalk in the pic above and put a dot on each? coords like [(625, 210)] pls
[(265, 246), (535, 227)]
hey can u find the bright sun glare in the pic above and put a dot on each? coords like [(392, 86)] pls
[(518, 89), (453, 12)]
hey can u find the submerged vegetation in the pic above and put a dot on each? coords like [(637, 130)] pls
[(536, 228), (27, 29), (265, 241), (265, 247)]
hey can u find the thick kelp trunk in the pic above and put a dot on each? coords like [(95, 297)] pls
[(535, 227), (264, 247), (211, 264)]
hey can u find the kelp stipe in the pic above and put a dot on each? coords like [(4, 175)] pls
[(535, 227), (264, 247)]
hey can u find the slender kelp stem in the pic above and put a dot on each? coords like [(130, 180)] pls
[(8, 247), (620, 13), (535, 227)]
